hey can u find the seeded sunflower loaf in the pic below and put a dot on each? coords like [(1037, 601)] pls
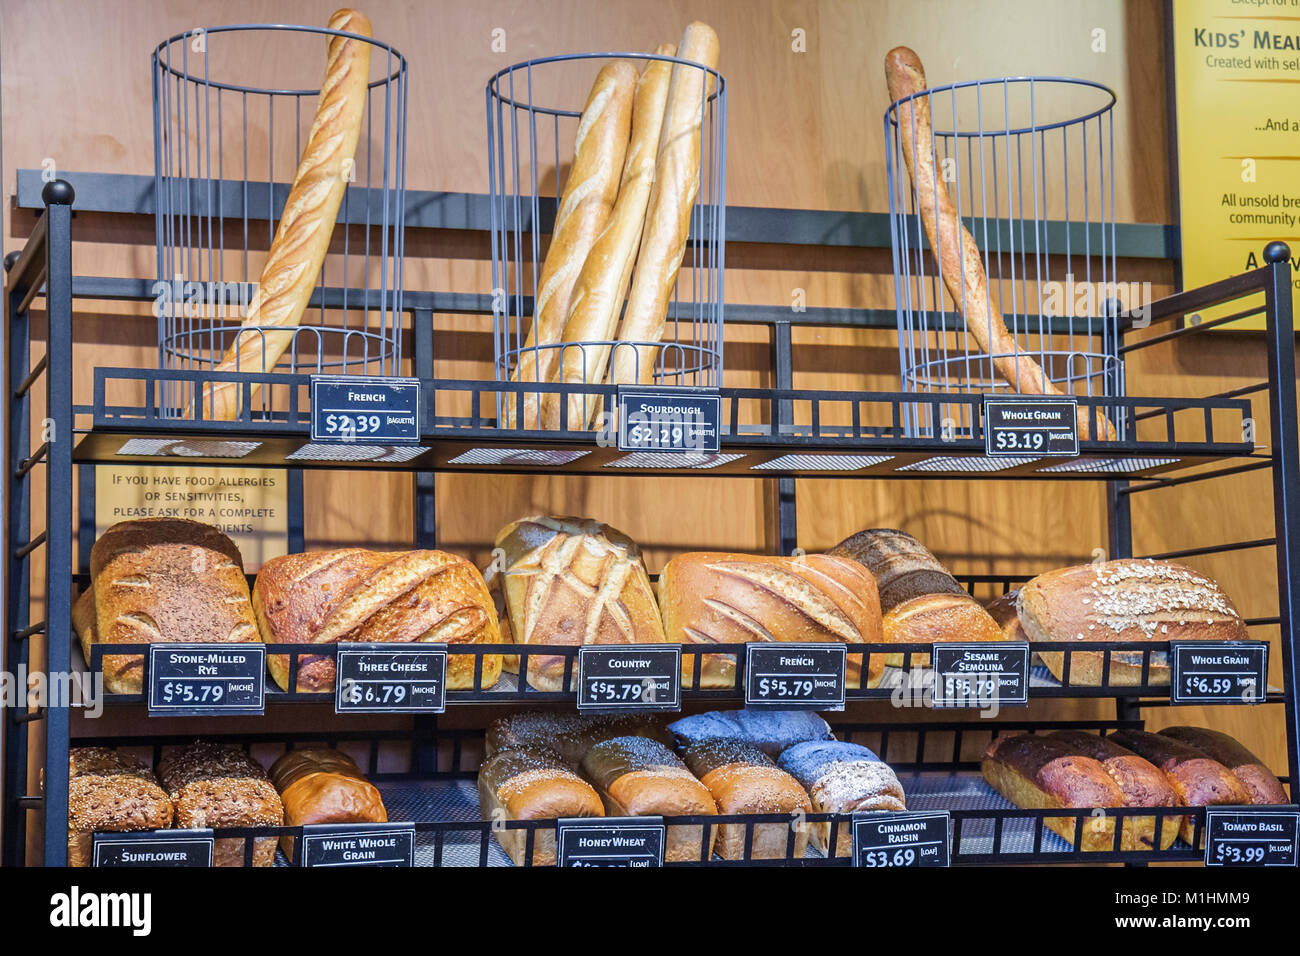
[(110, 792), (721, 598), (571, 581), (221, 786), (1120, 601), (161, 580), (355, 595)]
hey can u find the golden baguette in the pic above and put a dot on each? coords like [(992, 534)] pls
[(958, 258), (302, 238), (598, 296), (584, 209), (668, 218)]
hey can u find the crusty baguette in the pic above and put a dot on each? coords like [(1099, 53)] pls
[(1124, 600), (1142, 783), (598, 296), (356, 595), (302, 238), (1197, 780), (637, 777), (668, 217), (532, 784), (1250, 771), (960, 265), (584, 209), (1039, 773)]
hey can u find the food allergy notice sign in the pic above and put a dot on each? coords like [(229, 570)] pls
[(1236, 66)]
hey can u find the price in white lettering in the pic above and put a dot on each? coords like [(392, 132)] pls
[(903, 857), (377, 694), (352, 424), (775, 687), (175, 692), (1019, 441), (1229, 853)]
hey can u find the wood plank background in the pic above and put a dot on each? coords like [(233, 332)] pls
[(804, 132)]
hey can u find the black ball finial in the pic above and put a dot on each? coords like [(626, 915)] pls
[(1277, 251), (11, 259), (58, 192)]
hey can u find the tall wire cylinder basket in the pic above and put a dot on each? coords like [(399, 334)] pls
[(233, 107), (1028, 164), (533, 113)]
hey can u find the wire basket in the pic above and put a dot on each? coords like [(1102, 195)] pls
[(1028, 163), (533, 113), (233, 107)]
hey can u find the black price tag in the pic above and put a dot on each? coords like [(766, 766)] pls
[(153, 848), (365, 408), (1041, 427), (639, 677), (981, 674), (901, 839), (391, 679), (1241, 837), (669, 420), (207, 680), (358, 844), (629, 842), (1218, 672), (795, 675)]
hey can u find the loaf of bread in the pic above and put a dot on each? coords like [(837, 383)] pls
[(597, 300), (1142, 783), (638, 777), (1126, 600), (572, 581), (921, 601), (293, 264), (1260, 783), (1003, 611), (671, 202), (162, 580), (584, 209), (569, 736), (323, 785), (532, 784), (845, 778), (745, 780), (1038, 773), (1197, 780), (719, 598), (959, 262), (221, 786), (771, 731), (110, 792), (354, 595)]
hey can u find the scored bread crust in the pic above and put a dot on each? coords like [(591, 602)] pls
[(356, 595), (937, 618), (162, 579), (1124, 600)]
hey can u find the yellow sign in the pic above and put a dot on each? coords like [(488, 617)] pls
[(249, 504), (1237, 82)]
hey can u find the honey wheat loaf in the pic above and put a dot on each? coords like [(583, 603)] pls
[(302, 238)]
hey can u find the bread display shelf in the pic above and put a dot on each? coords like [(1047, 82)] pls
[(765, 433), (509, 689), (443, 803)]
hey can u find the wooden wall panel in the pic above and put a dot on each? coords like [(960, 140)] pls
[(805, 132)]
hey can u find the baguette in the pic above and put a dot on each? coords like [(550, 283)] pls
[(517, 784), (1039, 773), (1126, 600), (745, 780), (220, 786), (1197, 780), (1141, 782), (639, 777), (293, 264), (585, 206), (842, 778), (958, 258), (1259, 782), (110, 792), (321, 785), (668, 216), (598, 296)]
